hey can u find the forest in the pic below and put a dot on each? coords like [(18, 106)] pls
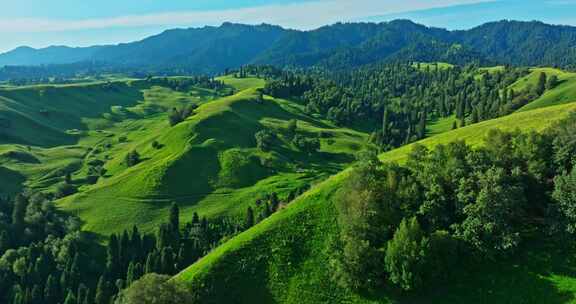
[(415, 224)]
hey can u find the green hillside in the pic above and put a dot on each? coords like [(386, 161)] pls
[(286, 257), (565, 92), (47, 131), (209, 163)]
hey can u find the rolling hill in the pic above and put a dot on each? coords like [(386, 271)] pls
[(286, 257), (209, 163)]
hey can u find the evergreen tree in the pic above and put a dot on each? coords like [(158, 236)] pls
[(552, 82), (113, 257), (18, 213), (51, 290), (541, 86), (4, 241), (175, 222), (70, 298), (249, 222), (103, 292)]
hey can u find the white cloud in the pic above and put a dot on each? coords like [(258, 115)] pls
[(305, 15)]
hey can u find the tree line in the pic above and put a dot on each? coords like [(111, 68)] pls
[(45, 258), (398, 101)]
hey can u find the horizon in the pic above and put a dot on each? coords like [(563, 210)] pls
[(38, 25)]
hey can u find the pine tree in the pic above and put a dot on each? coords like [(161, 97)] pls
[(175, 223), (113, 259), (167, 261), (4, 242), (70, 298), (51, 290), (36, 295), (541, 87), (249, 222), (131, 275), (18, 213), (83, 292), (195, 218), (103, 292)]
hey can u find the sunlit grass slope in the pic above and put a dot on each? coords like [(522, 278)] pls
[(286, 259), (565, 92), (209, 163), (537, 120), (47, 131)]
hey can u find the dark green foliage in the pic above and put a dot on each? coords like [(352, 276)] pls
[(70, 298), (132, 158), (457, 203), (154, 289), (249, 222), (398, 100), (339, 46), (368, 213), (541, 85), (64, 190), (552, 82), (406, 255), (565, 199), (179, 115), (491, 221), (18, 213), (307, 145), (264, 140), (292, 127)]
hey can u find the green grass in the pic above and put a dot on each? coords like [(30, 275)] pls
[(474, 134), (565, 92), (433, 65), (63, 127), (209, 163), (532, 78), (440, 126), (286, 259)]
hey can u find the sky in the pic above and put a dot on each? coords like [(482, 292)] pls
[(40, 23)]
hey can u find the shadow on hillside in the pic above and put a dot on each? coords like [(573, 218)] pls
[(12, 182)]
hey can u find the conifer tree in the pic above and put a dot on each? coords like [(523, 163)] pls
[(249, 222)]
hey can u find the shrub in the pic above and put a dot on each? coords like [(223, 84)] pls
[(154, 289)]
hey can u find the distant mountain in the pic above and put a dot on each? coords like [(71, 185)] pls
[(213, 49), (51, 55)]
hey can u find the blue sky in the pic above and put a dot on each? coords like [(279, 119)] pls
[(39, 23)]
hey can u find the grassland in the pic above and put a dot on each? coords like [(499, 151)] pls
[(47, 131), (565, 92), (286, 258), (207, 164)]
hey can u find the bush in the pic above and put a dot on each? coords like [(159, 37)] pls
[(154, 289), (65, 189), (406, 255), (132, 158), (306, 145), (264, 140)]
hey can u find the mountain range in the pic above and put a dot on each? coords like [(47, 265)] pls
[(213, 49)]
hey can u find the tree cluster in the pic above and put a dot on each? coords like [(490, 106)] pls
[(410, 225)]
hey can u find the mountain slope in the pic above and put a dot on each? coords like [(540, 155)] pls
[(213, 49), (209, 163), (286, 257), (50, 55)]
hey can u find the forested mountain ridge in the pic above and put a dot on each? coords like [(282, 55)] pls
[(336, 46)]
